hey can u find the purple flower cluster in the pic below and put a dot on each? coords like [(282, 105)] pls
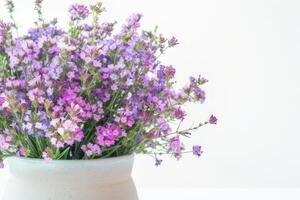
[(78, 12), (90, 93), (107, 135)]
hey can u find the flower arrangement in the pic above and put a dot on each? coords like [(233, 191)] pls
[(87, 92)]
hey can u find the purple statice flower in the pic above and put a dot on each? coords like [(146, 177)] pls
[(91, 149), (154, 134), (200, 94), (78, 12), (34, 34), (1, 164), (170, 72), (22, 152), (2, 100), (178, 113), (79, 135), (164, 127), (139, 139), (176, 146), (133, 22), (125, 118), (150, 144), (108, 134), (4, 32), (213, 119), (158, 162), (194, 89), (37, 33), (5, 142), (197, 150), (54, 31), (173, 42), (46, 156)]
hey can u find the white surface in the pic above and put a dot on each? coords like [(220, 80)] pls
[(220, 194), (249, 50)]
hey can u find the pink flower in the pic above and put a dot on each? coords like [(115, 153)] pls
[(213, 119), (105, 141), (46, 156), (79, 135), (5, 142), (91, 149), (129, 122), (21, 152), (107, 135), (2, 100), (114, 87)]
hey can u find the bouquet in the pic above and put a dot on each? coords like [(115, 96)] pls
[(89, 92)]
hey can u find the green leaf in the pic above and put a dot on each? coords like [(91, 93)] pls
[(64, 154)]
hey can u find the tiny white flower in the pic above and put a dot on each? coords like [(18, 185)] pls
[(61, 130)]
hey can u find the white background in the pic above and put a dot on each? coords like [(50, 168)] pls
[(249, 50)]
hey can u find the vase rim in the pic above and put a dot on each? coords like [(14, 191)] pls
[(36, 160), (117, 168)]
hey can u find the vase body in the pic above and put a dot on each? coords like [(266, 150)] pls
[(99, 179)]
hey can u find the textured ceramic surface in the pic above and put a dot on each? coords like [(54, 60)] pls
[(101, 179)]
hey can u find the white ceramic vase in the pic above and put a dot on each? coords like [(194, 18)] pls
[(99, 179)]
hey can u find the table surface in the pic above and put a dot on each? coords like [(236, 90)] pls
[(219, 194), (213, 193)]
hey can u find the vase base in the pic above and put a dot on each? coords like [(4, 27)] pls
[(16, 190)]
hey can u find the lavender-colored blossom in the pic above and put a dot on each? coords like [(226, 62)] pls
[(79, 11), (173, 42), (158, 162), (139, 139), (22, 152), (46, 156), (2, 100), (133, 22), (91, 149), (5, 142), (108, 134), (176, 146), (213, 119), (197, 150)]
